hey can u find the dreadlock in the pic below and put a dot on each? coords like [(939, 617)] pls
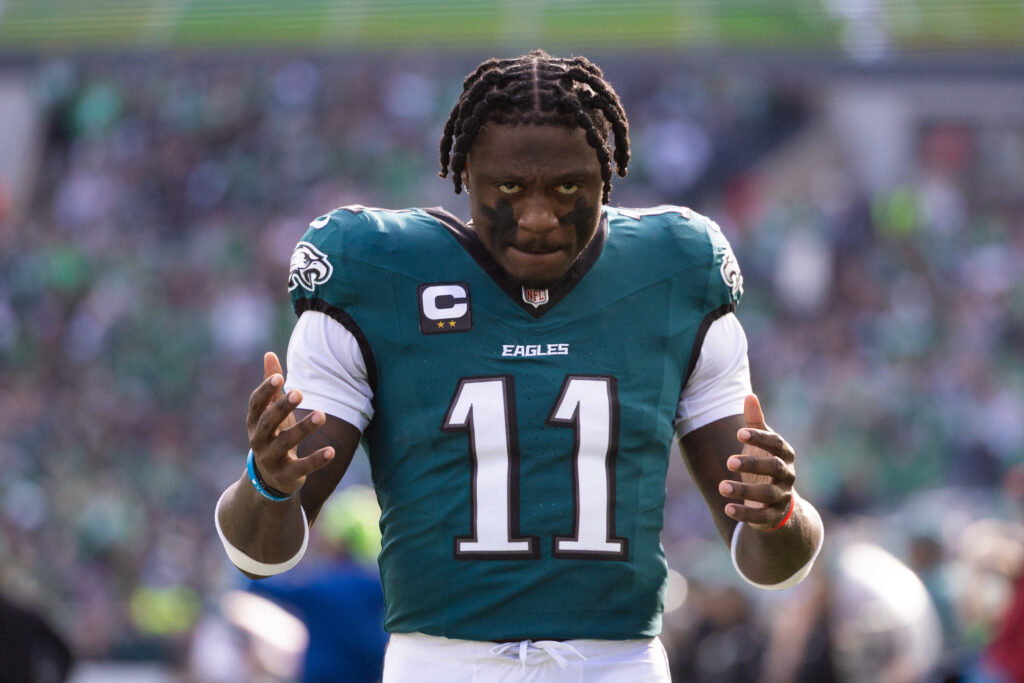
[(537, 88)]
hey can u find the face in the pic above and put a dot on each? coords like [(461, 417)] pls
[(535, 198)]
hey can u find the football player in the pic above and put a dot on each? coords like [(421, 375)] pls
[(518, 381)]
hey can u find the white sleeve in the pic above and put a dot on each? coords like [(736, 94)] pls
[(721, 379), (327, 366)]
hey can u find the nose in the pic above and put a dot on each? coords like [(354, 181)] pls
[(536, 215)]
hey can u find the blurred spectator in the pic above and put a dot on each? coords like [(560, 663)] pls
[(724, 643), (30, 651), (337, 593), (863, 618), (927, 558), (1003, 658)]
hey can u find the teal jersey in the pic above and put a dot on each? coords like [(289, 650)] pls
[(520, 438)]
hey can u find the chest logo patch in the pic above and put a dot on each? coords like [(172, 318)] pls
[(445, 307), (535, 297), (309, 267)]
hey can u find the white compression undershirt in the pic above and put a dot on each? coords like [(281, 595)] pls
[(324, 362), (721, 379)]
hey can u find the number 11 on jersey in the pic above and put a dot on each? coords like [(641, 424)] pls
[(484, 407)]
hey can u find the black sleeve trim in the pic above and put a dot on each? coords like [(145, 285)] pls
[(303, 305), (698, 341)]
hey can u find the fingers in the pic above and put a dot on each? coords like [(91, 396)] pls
[(278, 460), (767, 441), (271, 365), (763, 505), (268, 390), (752, 413), (776, 469), (300, 468), (766, 467), (764, 518), (276, 417), (289, 474), (270, 411), (277, 432), (763, 493), (261, 397), (274, 433), (289, 438)]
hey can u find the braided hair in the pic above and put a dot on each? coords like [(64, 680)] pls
[(538, 89)]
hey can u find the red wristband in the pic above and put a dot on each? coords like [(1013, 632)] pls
[(789, 513)]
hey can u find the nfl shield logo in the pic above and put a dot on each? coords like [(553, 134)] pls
[(535, 297)]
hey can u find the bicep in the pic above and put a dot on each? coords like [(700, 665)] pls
[(710, 412), (343, 437), (705, 451), (720, 380), (326, 364)]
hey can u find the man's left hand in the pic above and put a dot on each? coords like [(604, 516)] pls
[(765, 466)]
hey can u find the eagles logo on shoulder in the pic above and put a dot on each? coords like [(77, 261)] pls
[(731, 274), (309, 267)]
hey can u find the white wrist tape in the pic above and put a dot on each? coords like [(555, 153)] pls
[(793, 580), (248, 564)]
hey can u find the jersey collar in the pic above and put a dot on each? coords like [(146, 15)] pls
[(466, 236)]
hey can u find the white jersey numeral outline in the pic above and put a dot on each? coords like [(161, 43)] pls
[(589, 405), (494, 452)]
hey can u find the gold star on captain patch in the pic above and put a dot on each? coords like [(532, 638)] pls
[(451, 323), (440, 324)]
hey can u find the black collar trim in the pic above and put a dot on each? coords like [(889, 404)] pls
[(470, 241)]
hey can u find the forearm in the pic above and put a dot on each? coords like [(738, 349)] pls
[(296, 459), (261, 537), (781, 558)]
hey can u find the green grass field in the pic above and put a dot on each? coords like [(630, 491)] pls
[(593, 24)]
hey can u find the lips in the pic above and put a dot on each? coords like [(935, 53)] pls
[(537, 249), (535, 265)]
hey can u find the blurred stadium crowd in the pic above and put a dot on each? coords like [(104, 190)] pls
[(144, 276)]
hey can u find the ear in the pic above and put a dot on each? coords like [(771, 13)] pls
[(465, 176)]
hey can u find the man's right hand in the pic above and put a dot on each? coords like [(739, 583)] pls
[(274, 433)]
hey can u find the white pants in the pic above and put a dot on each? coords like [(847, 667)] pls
[(416, 658)]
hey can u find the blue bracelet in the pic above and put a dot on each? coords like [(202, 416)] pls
[(267, 491)]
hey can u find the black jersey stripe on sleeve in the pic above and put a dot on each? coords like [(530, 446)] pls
[(702, 332), (338, 314)]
